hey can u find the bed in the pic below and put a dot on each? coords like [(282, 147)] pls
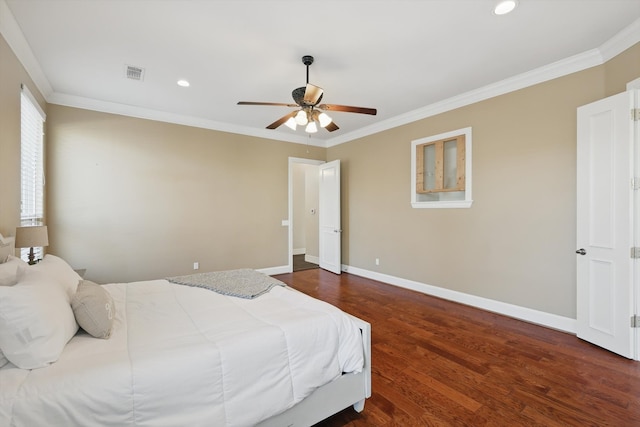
[(177, 354)]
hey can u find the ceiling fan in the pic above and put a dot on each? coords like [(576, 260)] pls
[(309, 112)]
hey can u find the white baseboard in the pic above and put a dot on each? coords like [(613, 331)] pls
[(542, 318), (299, 251), (312, 259), (270, 271)]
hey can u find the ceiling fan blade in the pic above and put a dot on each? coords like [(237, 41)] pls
[(281, 120), (312, 94), (277, 104), (331, 126), (348, 109)]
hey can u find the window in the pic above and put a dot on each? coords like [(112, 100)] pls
[(31, 164), (441, 170)]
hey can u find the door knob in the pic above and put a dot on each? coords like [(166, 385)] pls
[(581, 251)]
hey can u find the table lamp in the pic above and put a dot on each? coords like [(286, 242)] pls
[(32, 237)]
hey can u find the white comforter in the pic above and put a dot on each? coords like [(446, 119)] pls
[(183, 356)]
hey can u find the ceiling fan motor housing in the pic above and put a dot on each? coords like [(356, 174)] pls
[(298, 97)]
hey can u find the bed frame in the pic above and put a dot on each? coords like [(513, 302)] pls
[(348, 390)]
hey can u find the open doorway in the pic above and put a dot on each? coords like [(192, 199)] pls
[(303, 213)]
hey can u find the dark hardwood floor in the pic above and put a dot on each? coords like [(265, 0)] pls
[(438, 363)]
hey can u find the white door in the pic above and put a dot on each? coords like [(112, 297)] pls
[(605, 223), (329, 217)]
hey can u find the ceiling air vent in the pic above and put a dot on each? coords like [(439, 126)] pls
[(134, 73)]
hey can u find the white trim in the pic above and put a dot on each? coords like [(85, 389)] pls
[(446, 204), (272, 271), (623, 40), (634, 84), (299, 251), (11, 32), (293, 160), (522, 313), (542, 74), (168, 117)]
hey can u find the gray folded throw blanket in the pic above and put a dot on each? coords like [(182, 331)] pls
[(242, 283)]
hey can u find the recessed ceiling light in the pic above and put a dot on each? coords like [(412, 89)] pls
[(183, 83), (504, 7)]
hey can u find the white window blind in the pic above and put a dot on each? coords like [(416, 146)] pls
[(31, 164)]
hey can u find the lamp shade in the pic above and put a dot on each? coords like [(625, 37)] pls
[(32, 237), (291, 123), (301, 118), (311, 127), (324, 119)]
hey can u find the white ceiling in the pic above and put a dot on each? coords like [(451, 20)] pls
[(404, 58)]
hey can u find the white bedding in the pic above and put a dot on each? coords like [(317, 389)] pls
[(184, 356)]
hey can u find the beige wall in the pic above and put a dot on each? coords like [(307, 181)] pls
[(12, 75), (516, 244), (622, 69), (133, 199)]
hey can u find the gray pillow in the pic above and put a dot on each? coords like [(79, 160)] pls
[(93, 308)]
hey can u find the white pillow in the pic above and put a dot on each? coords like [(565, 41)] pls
[(9, 270), (56, 269), (36, 320)]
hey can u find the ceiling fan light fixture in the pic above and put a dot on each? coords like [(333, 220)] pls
[(311, 127), (301, 118), (291, 123), (324, 119)]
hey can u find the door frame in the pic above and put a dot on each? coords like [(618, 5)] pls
[(292, 161)]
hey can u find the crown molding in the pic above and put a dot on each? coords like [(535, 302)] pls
[(623, 40), (168, 117), (542, 74), (11, 32)]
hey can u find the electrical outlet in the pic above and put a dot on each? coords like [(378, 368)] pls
[(196, 265), (377, 261)]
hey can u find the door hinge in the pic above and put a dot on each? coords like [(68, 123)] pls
[(635, 321), (635, 114), (635, 183), (635, 252)]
